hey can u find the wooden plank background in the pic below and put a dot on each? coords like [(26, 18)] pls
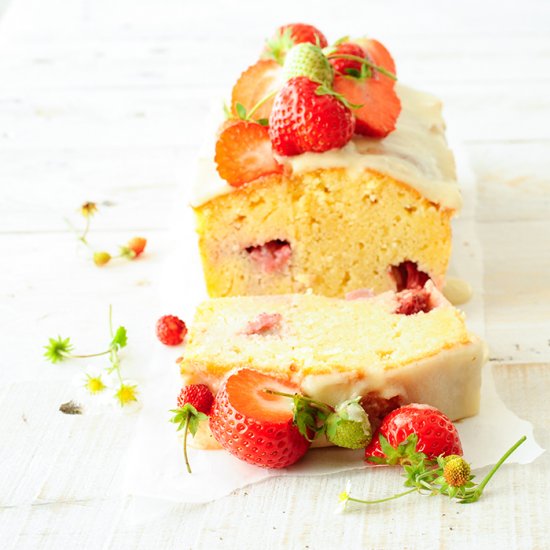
[(105, 100)]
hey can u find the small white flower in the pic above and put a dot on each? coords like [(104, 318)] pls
[(343, 499)]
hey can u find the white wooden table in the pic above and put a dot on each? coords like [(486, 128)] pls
[(104, 100)]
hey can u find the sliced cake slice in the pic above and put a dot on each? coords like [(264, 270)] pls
[(391, 349)]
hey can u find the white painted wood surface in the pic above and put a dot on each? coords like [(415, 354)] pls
[(104, 100)]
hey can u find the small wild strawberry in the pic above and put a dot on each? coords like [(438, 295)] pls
[(137, 245), (171, 330), (194, 404)]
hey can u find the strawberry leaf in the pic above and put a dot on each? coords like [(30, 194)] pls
[(120, 338), (306, 417)]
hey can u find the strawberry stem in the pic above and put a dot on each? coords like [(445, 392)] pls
[(185, 431), (364, 61), (260, 103), (322, 406)]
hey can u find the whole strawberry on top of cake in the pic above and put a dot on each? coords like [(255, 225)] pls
[(327, 175)]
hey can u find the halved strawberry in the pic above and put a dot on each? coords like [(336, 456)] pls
[(244, 153), (254, 84), (253, 425), (379, 55), (380, 105)]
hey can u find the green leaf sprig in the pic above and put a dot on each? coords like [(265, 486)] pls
[(61, 349), (450, 476)]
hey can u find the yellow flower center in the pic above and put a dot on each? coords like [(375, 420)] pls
[(126, 394), (94, 384)]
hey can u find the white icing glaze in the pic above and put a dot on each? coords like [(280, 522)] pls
[(416, 153)]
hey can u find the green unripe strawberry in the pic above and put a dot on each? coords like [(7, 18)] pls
[(101, 258), (310, 61), (349, 426)]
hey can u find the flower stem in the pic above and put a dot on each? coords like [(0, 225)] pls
[(487, 478), (399, 495), (111, 320), (85, 232), (185, 430), (71, 356), (81, 237)]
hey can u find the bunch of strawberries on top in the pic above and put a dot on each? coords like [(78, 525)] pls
[(305, 96)]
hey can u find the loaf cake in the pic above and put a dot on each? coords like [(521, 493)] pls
[(352, 186), (390, 349)]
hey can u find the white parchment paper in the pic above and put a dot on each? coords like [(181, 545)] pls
[(155, 467)]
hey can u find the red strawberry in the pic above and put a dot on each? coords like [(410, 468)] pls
[(171, 330), (301, 32), (254, 84), (287, 36), (137, 245), (194, 404), (411, 301), (302, 120), (347, 66), (380, 105), (198, 395), (255, 426), (436, 434), (244, 153), (407, 276)]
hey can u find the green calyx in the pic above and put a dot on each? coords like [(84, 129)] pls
[(308, 60), (348, 426), (188, 419), (277, 47), (309, 415)]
